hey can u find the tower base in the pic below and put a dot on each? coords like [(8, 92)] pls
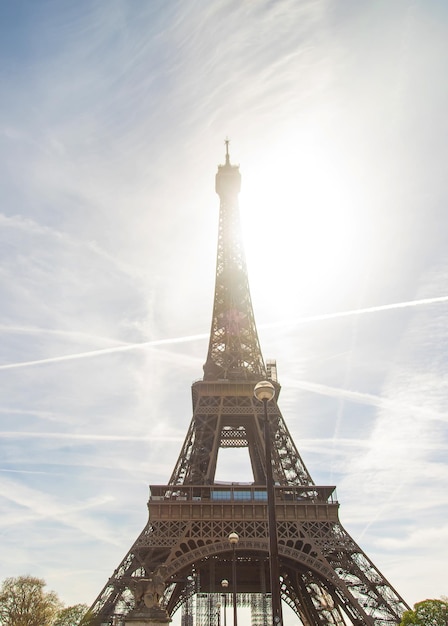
[(156, 616)]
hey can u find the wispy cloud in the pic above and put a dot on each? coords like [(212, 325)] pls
[(201, 336), (40, 506), (380, 402), (107, 247)]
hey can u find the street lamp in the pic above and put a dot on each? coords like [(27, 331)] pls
[(264, 391), (233, 539), (224, 585)]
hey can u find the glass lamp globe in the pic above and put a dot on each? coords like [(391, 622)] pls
[(264, 390)]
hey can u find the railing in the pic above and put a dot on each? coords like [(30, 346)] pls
[(241, 493)]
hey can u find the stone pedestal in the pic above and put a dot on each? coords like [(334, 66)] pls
[(155, 616)]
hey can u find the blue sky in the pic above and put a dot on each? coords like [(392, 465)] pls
[(112, 122)]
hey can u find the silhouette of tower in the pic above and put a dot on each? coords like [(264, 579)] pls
[(183, 553)]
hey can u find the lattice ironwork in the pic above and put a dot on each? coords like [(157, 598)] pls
[(234, 351), (183, 552), (236, 411)]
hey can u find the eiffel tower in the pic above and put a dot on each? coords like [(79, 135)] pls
[(183, 553)]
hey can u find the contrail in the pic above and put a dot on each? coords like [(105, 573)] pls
[(93, 353), (371, 309), (365, 398), (188, 338), (86, 437), (39, 330)]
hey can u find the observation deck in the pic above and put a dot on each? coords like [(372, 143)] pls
[(239, 501)]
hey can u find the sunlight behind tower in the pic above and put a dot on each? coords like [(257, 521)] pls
[(183, 553)]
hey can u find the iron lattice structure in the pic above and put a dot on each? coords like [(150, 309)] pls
[(183, 552)]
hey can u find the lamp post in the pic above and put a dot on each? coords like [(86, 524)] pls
[(265, 391), (233, 539), (224, 585)]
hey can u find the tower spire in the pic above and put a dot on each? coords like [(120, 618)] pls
[(234, 350)]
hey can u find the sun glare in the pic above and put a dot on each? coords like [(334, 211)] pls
[(300, 219)]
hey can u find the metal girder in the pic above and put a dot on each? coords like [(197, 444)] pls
[(183, 552), (324, 575), (234, 351), (218, 418)]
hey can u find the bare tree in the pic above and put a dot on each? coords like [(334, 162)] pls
[(24, 602)]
